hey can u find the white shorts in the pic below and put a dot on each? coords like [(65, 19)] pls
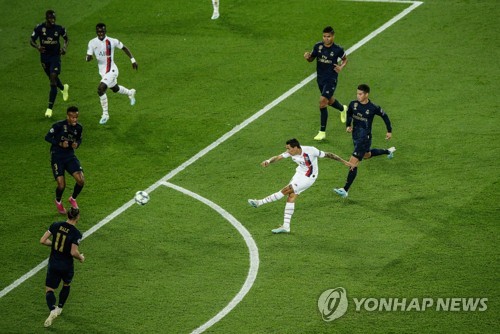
[(110, 78), (300, 182)]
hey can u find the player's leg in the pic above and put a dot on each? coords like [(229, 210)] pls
[(360, 149), (57, 166), (374, 152), (125, 91), (215, 4), (333, 102), (64, 294), (103, 98), (271, 198), (76, 170), (52, 281)]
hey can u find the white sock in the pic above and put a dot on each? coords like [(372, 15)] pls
[(104, 104), (271, 198), (289, 209), (215, 3), (123, 90)]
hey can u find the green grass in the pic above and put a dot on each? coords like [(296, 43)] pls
[(421, 225)]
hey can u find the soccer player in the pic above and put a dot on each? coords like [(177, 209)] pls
[(64, 247), (330, 60), (306, 157), (361, 113), (215, 4), (48, 33), (65, 137), (103, 47)]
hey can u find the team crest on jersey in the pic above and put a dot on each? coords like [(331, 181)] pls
[(355, 105), (320, 48), (44, 30), (331, 54), (367, 112), (56, 34)]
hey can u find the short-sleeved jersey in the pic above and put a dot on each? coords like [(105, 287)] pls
[(49, 38), (361, 116), (63, 131), (104, 52), (326, 57), (307, 161), (63, 236)]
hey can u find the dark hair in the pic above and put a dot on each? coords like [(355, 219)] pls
[(100, 26), (329, 30), (364, 87), (50, 13), (73, 213), (293, 143), (72, 109)]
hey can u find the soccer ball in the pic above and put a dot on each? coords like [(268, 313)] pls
[(141, 197)]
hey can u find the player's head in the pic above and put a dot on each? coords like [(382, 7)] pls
[(72, 115), (328, 36), (362, 93), (100, 30), (50, 17), (293, 146), (73, 213)]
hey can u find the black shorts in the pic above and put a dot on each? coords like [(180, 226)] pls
[(327, 88), (361, 146), (51, 64), (60, 164), (57, 273)]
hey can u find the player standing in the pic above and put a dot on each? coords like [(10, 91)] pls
[(103, 47), (330, 60), (66, 136), (361, 113), (64, 247), (306, 157), (48, 33)]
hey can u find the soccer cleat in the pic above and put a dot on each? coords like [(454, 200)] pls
[(53, 314), (73, 202), (58, 310), (48, 113), (391, 152), (320, 136), (132, 97), (280, 229), (215, 15), (253, 202), (65, 92), (343, 115), (341, 192), (60, 207), (104, 119)]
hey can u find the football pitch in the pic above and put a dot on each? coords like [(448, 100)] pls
[(215, 98)]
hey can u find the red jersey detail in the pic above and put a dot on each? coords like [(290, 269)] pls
[(308, 165), (108, 55)]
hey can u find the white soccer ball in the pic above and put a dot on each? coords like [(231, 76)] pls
[(141, 197)]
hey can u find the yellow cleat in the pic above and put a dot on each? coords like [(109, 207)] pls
[(65, 92), (320, 136), (343, 115), (48, 113)]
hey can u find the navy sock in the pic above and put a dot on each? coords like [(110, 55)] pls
[(76, 190), (337, 105), (59, 84), (52, 96), (51, 300), (63, 295), (324, 118), (378, 151), (350, 178), (59, 193)]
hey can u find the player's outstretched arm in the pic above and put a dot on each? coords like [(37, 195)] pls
[(135, 66), (266, 163), (337, 158)]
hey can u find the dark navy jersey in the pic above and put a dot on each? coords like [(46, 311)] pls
[(326, 57), (64, 235), (361, 115), (49, 38), (63, 131)]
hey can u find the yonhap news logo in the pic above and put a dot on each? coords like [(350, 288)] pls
[(333, 303)]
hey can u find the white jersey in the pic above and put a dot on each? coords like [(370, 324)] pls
[(307, 161), (104, 53)]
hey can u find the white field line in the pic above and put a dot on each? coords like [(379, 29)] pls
[(252, 249), (236, 129)]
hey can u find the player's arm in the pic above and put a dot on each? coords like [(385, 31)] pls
[(44, 240), (343, 63), (348, 123), (76, 253), (266, 163), (78, 140), (132, 59), (33, 43), (337, 158), (66, 42), (387, 122)]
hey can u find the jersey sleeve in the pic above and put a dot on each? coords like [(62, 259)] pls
[(50, 136), (314, 52), (385, 117), (90, 50), (117, 44), (285, 155), (36, 33)]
